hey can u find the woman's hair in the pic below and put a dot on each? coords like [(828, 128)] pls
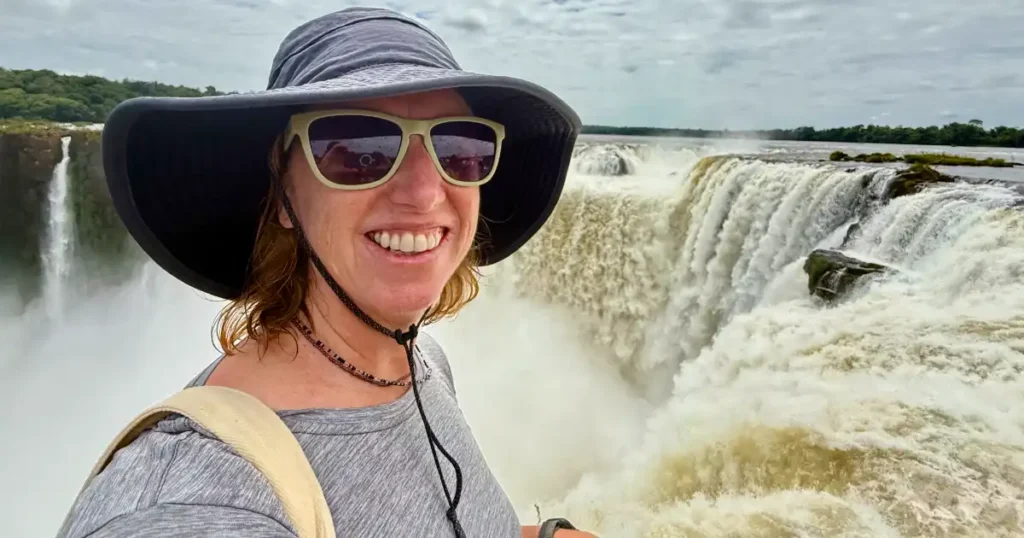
[(279, 277)]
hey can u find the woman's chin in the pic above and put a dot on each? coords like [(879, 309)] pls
[(403, 303), (399, 286)]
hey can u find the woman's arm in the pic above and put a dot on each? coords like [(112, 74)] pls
[(191, 521), (534, 530)]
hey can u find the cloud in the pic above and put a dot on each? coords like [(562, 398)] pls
[(880, 101), (692, 63), (472, 20)]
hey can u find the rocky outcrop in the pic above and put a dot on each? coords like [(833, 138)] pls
[(26, 167), (934, 159), (864, 157), (832, 274), (106, 250), (29, 153), (912, 180)]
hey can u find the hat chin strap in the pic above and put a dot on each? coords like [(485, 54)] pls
[(406, 339)]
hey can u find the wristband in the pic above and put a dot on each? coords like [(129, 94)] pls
[(547, 530)]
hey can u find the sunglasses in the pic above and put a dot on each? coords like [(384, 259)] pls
[(361, 149)]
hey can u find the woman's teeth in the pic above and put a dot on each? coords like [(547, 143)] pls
[(408, 242)]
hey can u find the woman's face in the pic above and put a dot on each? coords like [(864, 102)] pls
[(415, 207)]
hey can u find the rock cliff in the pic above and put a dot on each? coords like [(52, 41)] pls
[(99, 247)]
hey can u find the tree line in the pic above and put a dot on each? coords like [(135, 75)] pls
[(972, 133), (45, 95)]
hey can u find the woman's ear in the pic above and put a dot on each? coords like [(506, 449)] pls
[(282, 217)]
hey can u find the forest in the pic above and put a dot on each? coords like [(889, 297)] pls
[(972, 133), (31, 94), (45, 95)]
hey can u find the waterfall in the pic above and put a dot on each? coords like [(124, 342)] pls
[(57, 253), (658, 333), (895, 412)]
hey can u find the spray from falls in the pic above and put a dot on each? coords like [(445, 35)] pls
[(659, 338), (750, 220), (658, 264), (60, 238), (895, 412), (631, 159)]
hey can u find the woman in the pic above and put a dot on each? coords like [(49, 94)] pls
[(392, 175)]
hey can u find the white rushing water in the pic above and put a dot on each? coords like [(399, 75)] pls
[(895, 413), (57, 254), (651, 364)]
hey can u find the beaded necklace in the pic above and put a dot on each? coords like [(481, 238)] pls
[(345, 365)]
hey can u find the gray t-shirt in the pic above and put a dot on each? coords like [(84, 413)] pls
[(374, 464)]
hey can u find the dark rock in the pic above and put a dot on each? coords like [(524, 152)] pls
[(838, 156), (876, 158), (912, 180), (26, 167), (851, 233), (831, 274), (106, 252), (103, 249)]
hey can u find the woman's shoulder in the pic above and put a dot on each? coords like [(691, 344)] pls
[(175, 474), (435, 357)]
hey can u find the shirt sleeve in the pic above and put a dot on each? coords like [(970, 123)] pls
[(193, 521)]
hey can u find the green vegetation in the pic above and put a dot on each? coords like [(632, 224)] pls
[(840, 156), (32, 127), (972, 133), (955, 160), (44, 95), (26, 166), (934, 159), (104, 249)]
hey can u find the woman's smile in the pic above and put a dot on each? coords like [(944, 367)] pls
[(395, 245)]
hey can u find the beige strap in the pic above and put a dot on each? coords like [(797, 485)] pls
[(257, 434)]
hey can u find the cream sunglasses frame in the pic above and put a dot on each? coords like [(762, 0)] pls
[(298, 126)]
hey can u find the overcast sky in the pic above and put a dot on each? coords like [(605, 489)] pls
[(674, 63)]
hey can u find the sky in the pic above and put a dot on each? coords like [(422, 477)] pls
[(738, 64)]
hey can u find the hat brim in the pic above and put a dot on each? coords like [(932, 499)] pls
[(189, 176)]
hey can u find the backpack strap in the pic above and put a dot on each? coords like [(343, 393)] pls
[(257, 434)]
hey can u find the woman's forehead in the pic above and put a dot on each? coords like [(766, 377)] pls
[(422, 105)]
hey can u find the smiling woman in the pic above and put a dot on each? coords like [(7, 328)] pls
[(337, 212)]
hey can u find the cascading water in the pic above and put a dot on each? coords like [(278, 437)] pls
[(896, 412), (631, 159), (652, 365), (57, 254)]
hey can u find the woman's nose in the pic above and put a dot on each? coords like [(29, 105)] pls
[(417, 183)]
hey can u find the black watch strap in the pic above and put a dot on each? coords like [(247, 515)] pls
[(548, 528)]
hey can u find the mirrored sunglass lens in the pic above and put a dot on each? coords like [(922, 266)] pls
[(465, 149), (354, 150)]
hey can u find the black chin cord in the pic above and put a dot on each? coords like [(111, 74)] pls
[(406, 339)]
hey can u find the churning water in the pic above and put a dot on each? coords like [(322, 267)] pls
[(651, 364)]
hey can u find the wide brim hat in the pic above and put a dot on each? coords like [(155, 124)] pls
[(189, 177)]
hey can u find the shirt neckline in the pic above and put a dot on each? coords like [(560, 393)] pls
[(336, 421)]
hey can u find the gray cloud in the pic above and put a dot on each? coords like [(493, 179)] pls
[(877, 101), (473, 20), (693, 63)]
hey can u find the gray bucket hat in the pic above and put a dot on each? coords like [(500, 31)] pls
[(189, 176)]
